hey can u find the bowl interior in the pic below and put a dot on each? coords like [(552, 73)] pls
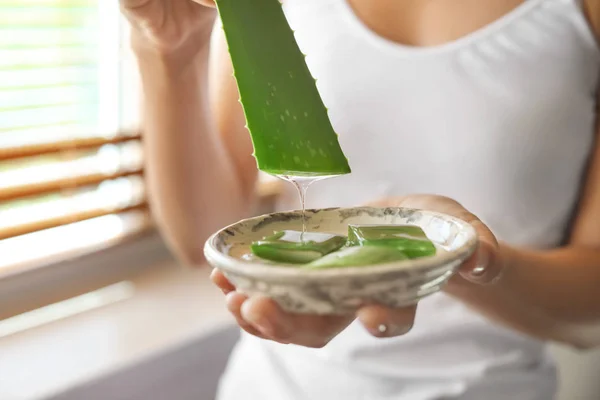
[(227, 248)]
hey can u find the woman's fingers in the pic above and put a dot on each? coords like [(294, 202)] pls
[(221, 281), (134, 4), (485, 266), (262, 317), (207, 3), (264, 314), (302, 329), (381, 321), (305, 330), (234, 302)]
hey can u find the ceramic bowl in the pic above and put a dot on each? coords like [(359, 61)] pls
[(341, 290)]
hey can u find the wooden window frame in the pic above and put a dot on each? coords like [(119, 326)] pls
[(87, 269), (69, 274), (35, 284)]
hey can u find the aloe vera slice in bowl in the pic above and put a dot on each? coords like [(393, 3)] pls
[(409, 239), (358, 256), (295, 247), (288, 122)]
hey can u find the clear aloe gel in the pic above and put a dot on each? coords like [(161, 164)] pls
[(295, 247), (301, 183), (409, 239), (285, 115)]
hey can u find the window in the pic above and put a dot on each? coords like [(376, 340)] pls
[(70, 157), (71, 176)]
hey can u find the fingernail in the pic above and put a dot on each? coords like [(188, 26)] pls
[(391, 330), (478, 271), (482, 263)]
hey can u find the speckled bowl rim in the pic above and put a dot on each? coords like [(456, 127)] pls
[(269, 272)]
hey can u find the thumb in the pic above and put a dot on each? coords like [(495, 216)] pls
[(485, 266), (381, 321)]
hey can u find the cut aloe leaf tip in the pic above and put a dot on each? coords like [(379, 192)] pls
[(288, 122)]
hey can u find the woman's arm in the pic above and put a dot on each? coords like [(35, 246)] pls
[(199, 168), (553, 295)]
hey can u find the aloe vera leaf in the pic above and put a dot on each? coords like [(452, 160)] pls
[(288, 122), (410, 239), (296, 247), (358, 256), (287, 256), (374, 232)]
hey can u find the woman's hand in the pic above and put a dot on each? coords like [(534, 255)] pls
[(262, 317), (170, 26), (487, 264)]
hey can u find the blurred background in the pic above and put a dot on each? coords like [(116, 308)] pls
[(92, 305)]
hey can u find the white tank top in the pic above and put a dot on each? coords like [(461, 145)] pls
[(501, 120)]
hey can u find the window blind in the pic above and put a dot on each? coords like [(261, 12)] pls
[(63, 157)]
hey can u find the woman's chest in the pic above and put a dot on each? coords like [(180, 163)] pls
[(529, 84), (504, 120), (423, 23)]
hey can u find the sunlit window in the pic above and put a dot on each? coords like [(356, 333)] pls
[(70, 164)]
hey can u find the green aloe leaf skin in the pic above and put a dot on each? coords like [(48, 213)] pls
[(286, 256), (358, 256), (288, 122), (295, 247), (409, 239)]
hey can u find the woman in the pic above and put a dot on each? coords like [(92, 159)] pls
[(487, 107)]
